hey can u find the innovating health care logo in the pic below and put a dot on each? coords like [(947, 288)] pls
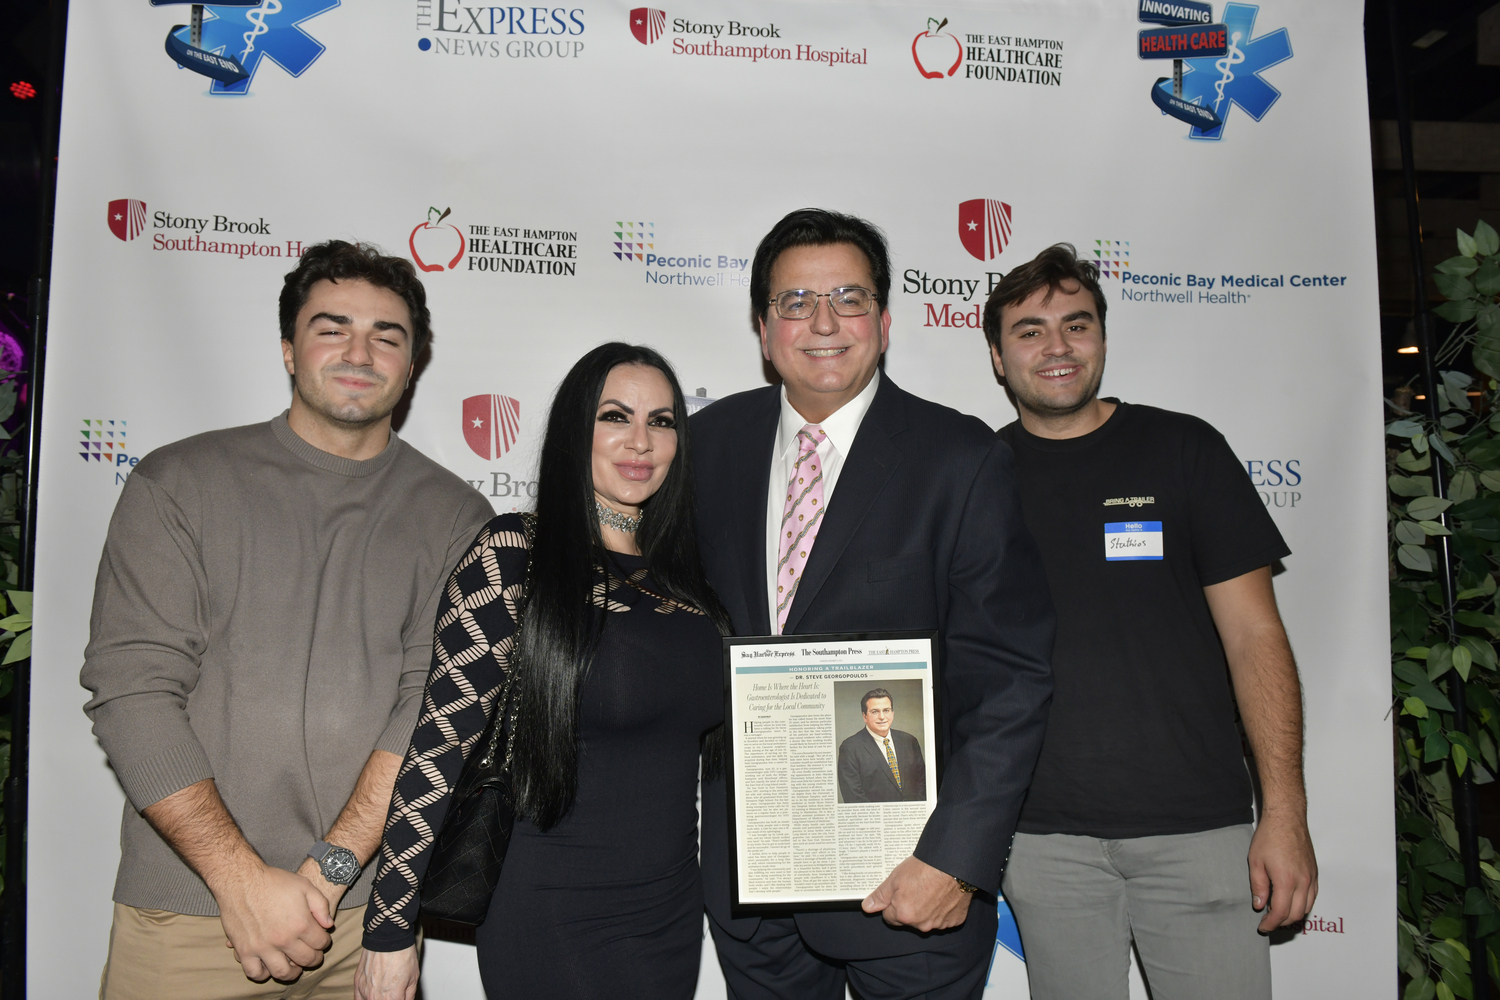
[(228, 41), (1202, 90), (647, 24)]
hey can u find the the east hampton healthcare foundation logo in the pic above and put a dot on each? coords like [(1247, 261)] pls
[(993, 55), (984, 227), (436, 245), (647, 24), (934, 49), (491, 424), (440, 245), (227, 42), (126, 218), (1227, 71)]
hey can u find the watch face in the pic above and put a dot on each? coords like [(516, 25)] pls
[(340, 866)]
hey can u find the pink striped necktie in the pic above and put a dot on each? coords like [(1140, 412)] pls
[(799, 520)]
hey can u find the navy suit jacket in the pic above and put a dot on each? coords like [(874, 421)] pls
[(865, 775), (924, 531)]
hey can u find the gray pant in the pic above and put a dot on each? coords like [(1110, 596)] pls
[(1185, 900)]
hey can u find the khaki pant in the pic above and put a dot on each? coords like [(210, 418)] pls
[(157, 955)]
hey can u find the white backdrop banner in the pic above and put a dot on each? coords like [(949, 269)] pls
[(573, 174)]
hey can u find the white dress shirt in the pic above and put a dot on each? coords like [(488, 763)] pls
[(839, 431)]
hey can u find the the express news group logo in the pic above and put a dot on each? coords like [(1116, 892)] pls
[(439, 244), (985, 55), (477, 30), (213, 233), (228, 41)]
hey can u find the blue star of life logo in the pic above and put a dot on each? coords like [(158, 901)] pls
[(1234, 79), (271, 31)]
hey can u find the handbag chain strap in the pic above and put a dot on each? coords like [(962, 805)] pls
[(505, 702)]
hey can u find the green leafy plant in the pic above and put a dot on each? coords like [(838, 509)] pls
[(15, 606), (1430, 659)]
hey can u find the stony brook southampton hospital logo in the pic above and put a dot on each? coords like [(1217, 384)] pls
[(984, 227), (491, 424), (227, 42), (126, 218), (647, 24)]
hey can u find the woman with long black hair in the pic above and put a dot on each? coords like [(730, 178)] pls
[(617, 682)]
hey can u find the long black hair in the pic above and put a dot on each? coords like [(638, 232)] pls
[(560, 626)]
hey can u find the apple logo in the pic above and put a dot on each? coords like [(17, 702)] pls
[(930, 48), (434, 238)]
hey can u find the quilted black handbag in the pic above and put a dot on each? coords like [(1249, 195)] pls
[(470, 848)]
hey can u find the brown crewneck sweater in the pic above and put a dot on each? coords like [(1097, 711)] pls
[(263, 617)]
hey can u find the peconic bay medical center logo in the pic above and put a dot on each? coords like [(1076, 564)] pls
[(103, 445)]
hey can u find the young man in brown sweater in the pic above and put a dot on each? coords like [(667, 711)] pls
[(260, 636)]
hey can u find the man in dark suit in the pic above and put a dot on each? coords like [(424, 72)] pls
[(922, 530), (878, 763)]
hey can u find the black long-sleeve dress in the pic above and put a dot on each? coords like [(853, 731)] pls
[(608, 902)]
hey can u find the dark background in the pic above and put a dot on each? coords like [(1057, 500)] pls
[(1451, 54)]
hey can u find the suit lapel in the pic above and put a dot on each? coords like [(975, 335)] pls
[(758, 442), (872, 459)]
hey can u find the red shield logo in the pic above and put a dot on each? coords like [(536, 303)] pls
[(647, 25), (127, 218), (491, 424), (984, 227)]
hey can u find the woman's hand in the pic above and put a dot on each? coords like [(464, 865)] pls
[(387, 975)]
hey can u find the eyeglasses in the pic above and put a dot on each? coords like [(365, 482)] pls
[(801, 303)]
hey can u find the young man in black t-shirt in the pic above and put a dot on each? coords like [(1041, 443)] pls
[(1137, 824)]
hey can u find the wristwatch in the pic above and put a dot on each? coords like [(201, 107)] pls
[(338, 864), (965, 886)]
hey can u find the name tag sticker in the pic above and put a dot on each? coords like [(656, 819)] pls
[(1132, 540)]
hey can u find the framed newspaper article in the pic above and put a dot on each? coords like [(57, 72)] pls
[(832, 763)]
